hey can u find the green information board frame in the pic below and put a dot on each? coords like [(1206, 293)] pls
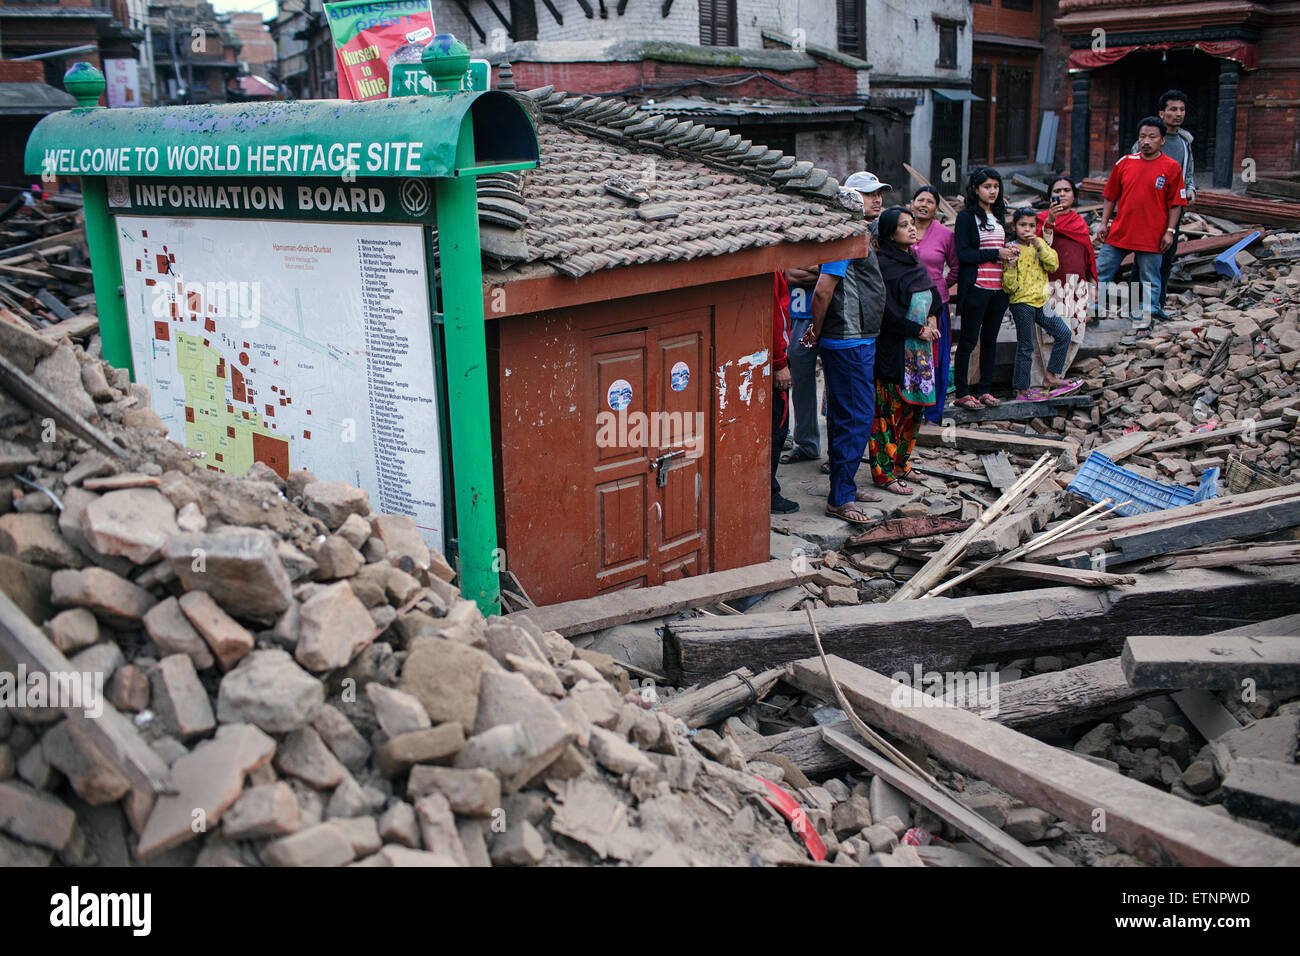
[(403, 159)]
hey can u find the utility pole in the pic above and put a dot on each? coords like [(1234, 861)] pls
[(182, 94)]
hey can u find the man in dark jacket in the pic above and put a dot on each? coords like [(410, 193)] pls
[(847, 306)]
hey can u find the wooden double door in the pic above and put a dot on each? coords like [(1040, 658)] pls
[(646, 427)]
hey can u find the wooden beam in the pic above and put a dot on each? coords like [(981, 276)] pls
[(1066, 696), (1101, 536), (639, 604), (1196, 530), (1263, 790), (803, 747), (37, 398), (510, 30), (954, 633), (464, 8), (1157, 827), (1211, 661), (969, 822), (113, 734), (706, 705), (1232, 556), (970, 439), (1228, 431), (1018, 411)]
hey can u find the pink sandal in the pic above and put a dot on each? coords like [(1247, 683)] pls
[(1066, 387), (989, 401)]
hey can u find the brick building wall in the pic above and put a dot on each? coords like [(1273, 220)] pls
[(258, 49)]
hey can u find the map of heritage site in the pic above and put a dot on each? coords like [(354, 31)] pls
[(300, 345)]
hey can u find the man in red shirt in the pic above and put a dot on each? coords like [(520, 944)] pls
[(1144, 194)]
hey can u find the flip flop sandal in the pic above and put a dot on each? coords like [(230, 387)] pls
[(893, 489), (1071, 385), (826, 468), (861, 495), (988, 401), (969, 402), (843, 513), (796, 456), (1032, 395)]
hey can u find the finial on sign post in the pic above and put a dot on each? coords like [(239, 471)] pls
[(446, 60), (85, 83)]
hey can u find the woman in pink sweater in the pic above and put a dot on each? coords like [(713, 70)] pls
[(937, 250)]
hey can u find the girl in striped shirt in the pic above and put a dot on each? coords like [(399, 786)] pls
[(981, 250)]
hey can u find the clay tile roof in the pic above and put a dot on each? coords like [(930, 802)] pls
[(710, 192)]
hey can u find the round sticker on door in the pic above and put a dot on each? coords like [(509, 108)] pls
[(680, 377), (619, 395)]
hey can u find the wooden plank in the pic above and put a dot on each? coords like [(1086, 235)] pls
[(1019, 411), (113, 734), (639, 604), (1227, 431), (1263, 790), (1081, 577), (1195, 531), (1234, 556), (803, 747), (969, 822), (1157, 827), (969, 439), (904, 529), (1125, 445), (954, 633), (1100, 536), (1211, 661), (952, 475), (1210, 718), (998, 467), (77, 327)]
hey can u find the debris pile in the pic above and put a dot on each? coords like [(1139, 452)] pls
[(44, 267), (311, 685)]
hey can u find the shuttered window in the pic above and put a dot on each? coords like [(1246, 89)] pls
[(718, 22), (851, 20)]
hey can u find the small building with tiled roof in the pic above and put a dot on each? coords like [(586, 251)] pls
[(628, 295)]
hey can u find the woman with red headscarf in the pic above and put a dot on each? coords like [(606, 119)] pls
[(1072, 286)]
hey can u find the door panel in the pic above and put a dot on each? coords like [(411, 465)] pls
[(685, 403), (620, 389), (622, 522)]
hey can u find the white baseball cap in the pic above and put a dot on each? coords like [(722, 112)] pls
[(865, 182)]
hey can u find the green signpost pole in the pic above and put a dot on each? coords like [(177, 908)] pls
[(86, 83), (466, 355)]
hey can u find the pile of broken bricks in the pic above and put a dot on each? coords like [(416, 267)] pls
[(305, 675)]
